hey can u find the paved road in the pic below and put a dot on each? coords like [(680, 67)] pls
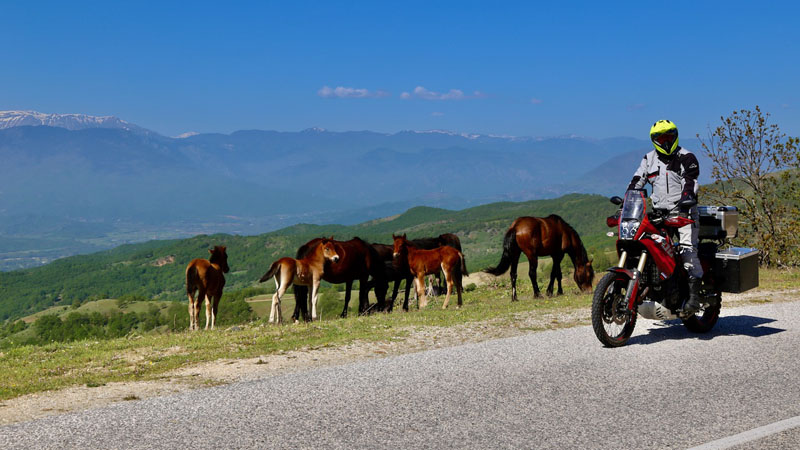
[(552, 389)]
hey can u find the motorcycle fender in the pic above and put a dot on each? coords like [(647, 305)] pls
[(621, 270)]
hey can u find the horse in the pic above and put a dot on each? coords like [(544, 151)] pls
[(357, 261), (306, 271), (397, 270), (536, 237), (206, 278), (425, 262)]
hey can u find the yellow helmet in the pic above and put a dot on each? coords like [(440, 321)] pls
[(664, 135)]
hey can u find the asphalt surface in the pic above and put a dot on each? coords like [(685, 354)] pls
[(555, 389)]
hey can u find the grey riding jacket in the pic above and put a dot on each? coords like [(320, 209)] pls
[(672, 177)]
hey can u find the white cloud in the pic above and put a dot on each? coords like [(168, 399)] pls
[(348, 92), (453, 94)]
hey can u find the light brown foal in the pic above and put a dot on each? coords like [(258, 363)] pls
[(305, 272), (205, 277), (428, 262)]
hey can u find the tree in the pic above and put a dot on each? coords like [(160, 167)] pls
[(755, 168)]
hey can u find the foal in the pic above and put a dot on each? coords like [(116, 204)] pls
[(305, 272), (205, 277), (427, 262)]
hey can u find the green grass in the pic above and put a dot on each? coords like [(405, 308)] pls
[(31, 369), (104, 306)]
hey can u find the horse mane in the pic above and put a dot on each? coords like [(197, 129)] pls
[(578, 250)]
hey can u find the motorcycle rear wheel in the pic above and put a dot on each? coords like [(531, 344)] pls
[(705, 319), (612, 322)]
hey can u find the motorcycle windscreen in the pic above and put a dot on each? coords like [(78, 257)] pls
[(634, 205)]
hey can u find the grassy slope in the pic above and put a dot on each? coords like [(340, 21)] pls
[(30, 369), (133, 269)]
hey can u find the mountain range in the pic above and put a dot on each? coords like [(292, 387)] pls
[(75, 183)]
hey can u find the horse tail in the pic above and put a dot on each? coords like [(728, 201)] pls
[(463, 264), (510, 248), (271, 272), (191, 278)]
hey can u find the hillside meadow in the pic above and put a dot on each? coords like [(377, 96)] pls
[(155, 270)]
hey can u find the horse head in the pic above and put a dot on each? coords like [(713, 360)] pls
[(400, 243), (219, 257), (584, 275), (329, 250)]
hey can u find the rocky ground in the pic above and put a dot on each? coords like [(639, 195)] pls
[(34, 406)]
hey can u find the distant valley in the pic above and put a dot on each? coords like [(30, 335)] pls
[(76, 184)]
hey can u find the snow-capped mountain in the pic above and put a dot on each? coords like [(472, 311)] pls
[(9, 119)]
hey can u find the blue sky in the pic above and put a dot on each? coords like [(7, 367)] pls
[(597, 69)]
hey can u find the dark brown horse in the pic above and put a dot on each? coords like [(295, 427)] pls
[(306, 272), (426, 262), (205, 277), (536, 237), (397, 270), (357, 261)]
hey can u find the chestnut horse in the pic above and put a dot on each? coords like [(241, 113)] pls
[(536, 237), (357, 261), (306, 271), (398, 271), (205, 277), (428, 262)]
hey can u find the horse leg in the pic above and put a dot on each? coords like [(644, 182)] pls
[(191, 311), (301, 303), (214, 309), (514, 264), (381, 288), (429, 286), (449, 280), (407, 293), (363, 295), (208, 310), (314, 298), (534, 263), (348, 286), (201, 294), (555, 274), (421, 297)]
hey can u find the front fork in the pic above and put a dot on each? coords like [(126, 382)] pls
[(632, 293)]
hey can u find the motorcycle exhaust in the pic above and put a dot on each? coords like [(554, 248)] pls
[(655, 311)]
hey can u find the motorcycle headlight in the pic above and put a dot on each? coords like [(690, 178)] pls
[(628, 228)]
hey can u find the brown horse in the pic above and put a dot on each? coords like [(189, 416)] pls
[(205, 277), (397, 270), (357, 261), (306, 271), (425, 262), (536, 237)]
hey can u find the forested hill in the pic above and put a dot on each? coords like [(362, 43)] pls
[(156, 269)]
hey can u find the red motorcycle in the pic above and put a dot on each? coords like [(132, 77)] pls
[(649, 279)]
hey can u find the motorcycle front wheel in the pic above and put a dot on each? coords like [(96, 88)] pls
[(612, 322)]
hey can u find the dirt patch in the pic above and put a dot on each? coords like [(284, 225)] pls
[(164, 261), (225, 371)]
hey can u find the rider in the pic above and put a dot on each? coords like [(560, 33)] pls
[(672, 171)]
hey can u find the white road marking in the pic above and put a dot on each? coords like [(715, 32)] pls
[(751, 435)]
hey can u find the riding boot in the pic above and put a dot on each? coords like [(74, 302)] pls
[(693, 304)]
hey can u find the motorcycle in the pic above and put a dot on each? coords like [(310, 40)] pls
[(650, 279)]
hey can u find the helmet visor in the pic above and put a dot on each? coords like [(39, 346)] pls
[(665, 139)]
